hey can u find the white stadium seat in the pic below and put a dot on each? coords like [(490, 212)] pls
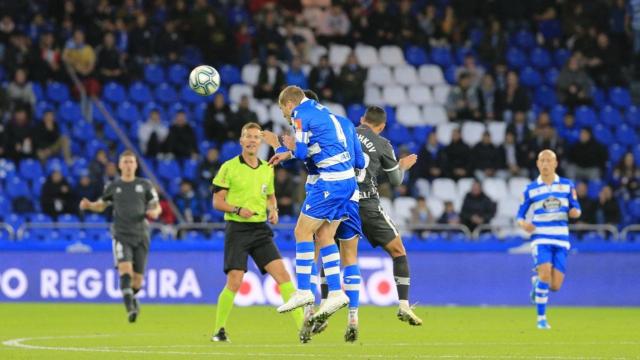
[(276, 115), (472, 132), (402, 207), (338, 54), (431, 75), (464, 186), (443, 132), (409, 115), (367, 55), (261, 110), (444, 189), (495, 188), (497, 130), (373, 95), (420, 94), (316, 53), (508, 207), (434, 115), (394, 95), (436, 206), (517, 186), (405, 75), (441, 93), (423, 187), (391, 55), (238, 90), (250, 73), (336, 108), (387, 206), (379, 75)]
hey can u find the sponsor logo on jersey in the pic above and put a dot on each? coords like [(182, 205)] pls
[(551, 204)]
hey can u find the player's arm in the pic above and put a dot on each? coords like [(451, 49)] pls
[(101, 204), (272, 201), (395, 169), (522, 213), (153, 202), (574, 206)]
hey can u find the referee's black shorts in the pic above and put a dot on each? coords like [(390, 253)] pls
[(244, 239), (377, 226)]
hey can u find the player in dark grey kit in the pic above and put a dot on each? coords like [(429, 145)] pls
[(376, 224), (133, 199)]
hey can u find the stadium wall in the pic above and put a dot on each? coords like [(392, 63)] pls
[(438, 278)]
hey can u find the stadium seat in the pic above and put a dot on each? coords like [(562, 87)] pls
[(625, 135), (276, 115), (441, 93), (68, 233), (561, 56), (416, 56), (355, 112), (599, 98), (190, 97), (154, 74), (545, 97), (443, 132), (423, 188), (434, 115), (603, 135), (250, 73), (79, 166), (58, 164), (464, 186), (394, 95), (402, 207), (557, 114), (379, 75), (139, 93), (524, 39), (373, 95), (517, 185), (367, 55), (41, 107), (472, 132), (593, 188), (516, 59), (338, 54), (113, 93), (585, 116), (14, 220), (238, 90), (551, 77), (165, 94), (168, 169), (387, 206), (128, 112), (5, 205), (441, 56), (178, 74), (261, 110), (16, 187), (530, 77), (397, 134), (230, 74), (420, 94), (315, 53), (540, 58), (497, 131), (419, 134), (616, 152), (229, 149), (431, 75), (30, 169), (444, 189), (632, 116), (450, 74), (36, 186), (190, 169), (391, 55), (495, 188), (610, 116), (57, 92), (620, 97), (7, 168), (508, 207), (405, 75), (69, 112)]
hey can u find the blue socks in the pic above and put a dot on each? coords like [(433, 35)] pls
[(304, 261), (331, 264), (542, 295), (351, 279)]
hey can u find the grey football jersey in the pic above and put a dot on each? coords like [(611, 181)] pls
[(379, 156), (130, 201)]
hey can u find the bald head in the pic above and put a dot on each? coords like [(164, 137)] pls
[(547, 163), (547, 153)]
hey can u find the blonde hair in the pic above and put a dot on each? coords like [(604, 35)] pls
[(291, 93), (248, 126)]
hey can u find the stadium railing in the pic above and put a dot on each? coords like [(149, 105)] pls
[(579, 228)]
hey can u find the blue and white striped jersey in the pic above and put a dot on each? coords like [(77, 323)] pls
[(550, 205)]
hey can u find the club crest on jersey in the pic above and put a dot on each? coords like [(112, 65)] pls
[(118, 190), (139, 188), (297, 123), (551, 204)]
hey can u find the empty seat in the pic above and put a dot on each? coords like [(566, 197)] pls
[(338, 54), (30, 169), (517, 185), (540, 58), (416, 55), (530, 77), (276, 115), (441, 93), (516, 59), (367, 55), (420, 94), (238, 90), (379, 75), (336, 108), (57, 92), (139, 92), (154, 74), (431, 75), (620, 97), (405, 74), (472, 132), (250, 73), (315, 53), (128, 112), (16, 187), (409, 115), (373, 95), (464, 186), (436, 206), (508, 207), (394, 95), (442, 56), (434, 115), (261, 110), (113, 92), (423, 187), (585, 116), (391, 55), (495, 188), (355, 112), (402, 207), (443, 132), (444, 189), (166, 94), (497, 130), (610, 116), (178, 74)]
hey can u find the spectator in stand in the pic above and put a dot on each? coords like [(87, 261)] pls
[(17, 52), (215, 40), (420, 214), (359, 25), (626, 177), (474, 71), (294, 43), (427, 22), (269, 39), (380, 25), (187, 202), (487, 94), (587, 158), (569, 131), (431, 160), (86, 189), (477, 208), (181, 141), (405, 24), (49, 141), (457, 157), (48, 61), (574, 85), (449, 215), (515, 156), (608, 211), (244, 42), (322, 79), (519, 128), (333, 26), (494, 43), (4, 146), (110, 61), (152, 134), (169, 43), (546, 138), (207, 169), (20, 91), (141, 42), (217, 119), (82, 59), (487, 158), (285, 187), (588, 206), (20, 136), (512, 99), (97, 167), (603, 63), (243, 115), (351, 81), (295, 74), (270, 79), (56, 197), (110, 172), (463, 102), (500, 74)]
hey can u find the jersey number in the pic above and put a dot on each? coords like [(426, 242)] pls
[(339, 132)]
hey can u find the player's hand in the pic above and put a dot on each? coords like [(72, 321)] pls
[(273, 217), (574, 213), (271, 138), (289, 141), (408, 161), (152, 214), (278, 158), (85, 204), (527, 226), (246, 213)]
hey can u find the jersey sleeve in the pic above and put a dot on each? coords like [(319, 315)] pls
[(388, 158), (270, 183), (302, 131), (151, 195), (524, 206), (222, 181), (107, 194), (573, 197)]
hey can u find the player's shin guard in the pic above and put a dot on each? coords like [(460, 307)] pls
[(331, 264), (401, 276), (223, 308), (304, 260), (127, 292), (351, 280), (542, 295)]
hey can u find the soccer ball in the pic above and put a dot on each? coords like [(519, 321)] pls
[(204, 80)]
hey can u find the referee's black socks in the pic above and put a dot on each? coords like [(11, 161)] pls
[(401, 276), (127, 292)]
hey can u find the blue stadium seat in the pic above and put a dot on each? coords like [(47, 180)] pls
[(633, 116), (561, 56), (98, 116), (41, 107), (540, 58), (70, 112), (5, 205), (174, 108), (594, 187), (168, 169), (190, 97), (530, 77), (230, 74), (192, 56), (355, 112), (441, 56), (37, 90), (398, 134), (57, 92), (190, 169), (178, 75), (416, 55), (557, 114), (391, 115), (128, 112), (56, 164), (165, 94), (419, 134), (599, 98), (17, 187), (114, 93), (30, 169), (230, 149), (551, 77), (194, 236), (139, 93), (152, 105), (450, 74), (545, 97), (516, 59), (205, 145), (524, 39), (154, 74), (461, 53), (79, 166), (636, 154), (14, 220), (7, 169), (585, 116), (634, 208), (93, 146), (475, 36), (603, 135), (626, 135), (620, 97), (82, 131), (68, 233), (616, 152), (610, 116)]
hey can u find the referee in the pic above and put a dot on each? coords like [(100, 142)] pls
[(243, 190), (133, 199)]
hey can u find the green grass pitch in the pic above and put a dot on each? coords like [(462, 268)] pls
[(79, 331)]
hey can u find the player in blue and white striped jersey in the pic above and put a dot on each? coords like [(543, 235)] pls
[(553, 201)]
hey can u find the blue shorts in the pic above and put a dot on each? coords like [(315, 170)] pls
[(327, 200), (556, 255), (352, 226)]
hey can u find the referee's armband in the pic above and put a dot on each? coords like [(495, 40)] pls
[(217, 188)]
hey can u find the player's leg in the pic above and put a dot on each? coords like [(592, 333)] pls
[(336, 299), (123, 257), (277, 270), (140, 254), (401, 275), (543, 259), (351, 279), (559, 268)]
